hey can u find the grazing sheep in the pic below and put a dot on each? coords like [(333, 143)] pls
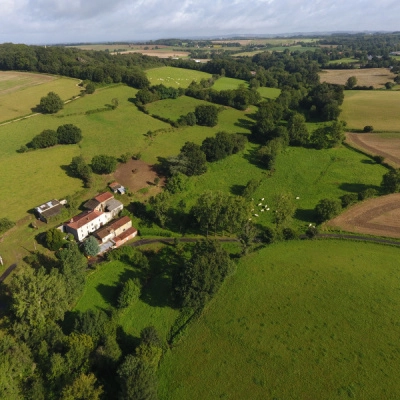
[(256, 215), (262, 199), (262, 210), (249, 219), (268, 209), (297, 198), (260, 204)]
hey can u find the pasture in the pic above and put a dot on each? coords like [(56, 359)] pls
[(102, 290), (298, 320), (308, 174), (175, 77), (348, 60), (228, 84), (269, 93), (20, 92), (376, 77), (379, 216), (370, 107)]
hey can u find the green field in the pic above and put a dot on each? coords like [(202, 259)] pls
[(21, 92), (102, 291), (299, 320), (344, 61), (376, 108), (228, 84), (269, 93), (309, 174), (175, 77)]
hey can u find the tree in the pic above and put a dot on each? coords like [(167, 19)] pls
[(351, 82), (91, 246), (206, 115), (103, 164), (69, 134), (176, 183), (84, 387), (368, 128), (327, 209), (391, 181), (51, 103), (250, 188), (80, 169), (201, 277), (247, 236), (90, 88), (285, 208), (45, 139), (161, 205), (297, 129), (54, 239), (38, 297), (190, 161), (129, 294)]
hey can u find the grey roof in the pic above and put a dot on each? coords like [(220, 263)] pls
[(47, 206), (113, 204), (91, 204), (51, 212)]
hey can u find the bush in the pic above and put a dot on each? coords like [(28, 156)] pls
[(368, 128), (51, 103), (90, 88), (378, 159), (206, 115), (5, 225), (289, 234), (311, 232), (348, 199), (54, 239), (91, 246), (45, 139), (69, 134), (367, 194)]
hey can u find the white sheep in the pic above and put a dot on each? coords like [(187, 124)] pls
[(297, 198), (268, 209), (262, 210), (262, 199), (259, 204), (256, 215)]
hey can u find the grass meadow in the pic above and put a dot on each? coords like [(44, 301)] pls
[(308, 174), (21, 92), (376, 108), (102, 290), (175, 77), (269, 93), (298, 320), (228, 84)]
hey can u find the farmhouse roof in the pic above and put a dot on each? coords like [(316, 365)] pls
[(114, 185), (51, 212), (105, 231), (125, 234), (46, 206), (83, 219), (113, 204), (91, 204), (102, 197)]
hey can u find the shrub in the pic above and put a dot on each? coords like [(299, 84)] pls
[(91, 246), (54, 239), (311, 232), (90, 88), (69, 134), (45, 139), (289, 234), (367, 194), (5, 225), (378, 159), (348, 199), (368, 128)]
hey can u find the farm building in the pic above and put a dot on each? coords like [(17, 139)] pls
[(99, 202), (113, 229), (49, 209), (129, 234), (117, 188)]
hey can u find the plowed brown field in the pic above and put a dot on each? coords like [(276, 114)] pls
[(379, 216), (377, 144)]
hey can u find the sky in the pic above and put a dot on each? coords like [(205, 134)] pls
[(72, 21)]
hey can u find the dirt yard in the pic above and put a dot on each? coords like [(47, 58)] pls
[(376, 77), (375, 144), (136, 175), (380, 216)]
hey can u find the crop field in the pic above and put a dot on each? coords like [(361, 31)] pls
[(370, 107), (386, 145), (379, 216), (20, 92), (101, 291), (376, 77), (308, 174), (298, 320), (175, 77), (228, 83)]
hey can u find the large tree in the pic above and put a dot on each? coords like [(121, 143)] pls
[(69, 134), (327, 209), (206, 115), (104, 164), (51, 103)]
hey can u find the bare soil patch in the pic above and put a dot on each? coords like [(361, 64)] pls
[(375, 144), (136, 175), (376, 77), (21, 80), (379, 216)]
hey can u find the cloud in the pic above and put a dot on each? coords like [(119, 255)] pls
[(49, 21)]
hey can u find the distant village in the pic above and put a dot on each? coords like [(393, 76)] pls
[(100, 219)]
